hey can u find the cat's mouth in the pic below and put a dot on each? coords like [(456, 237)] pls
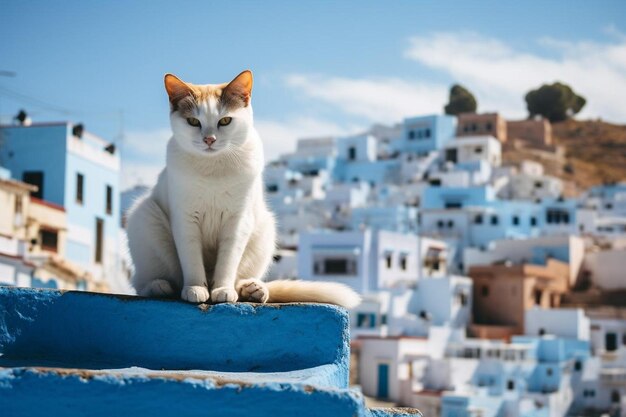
[(209, 149)]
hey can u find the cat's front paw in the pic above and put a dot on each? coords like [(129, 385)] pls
[(224, 295), (195, 294), (254, 290)]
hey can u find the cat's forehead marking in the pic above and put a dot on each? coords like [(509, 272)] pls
[(209, 97)]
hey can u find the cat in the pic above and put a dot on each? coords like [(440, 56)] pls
[(204, 231)]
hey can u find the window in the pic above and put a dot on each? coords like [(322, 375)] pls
[(478, 149), (485, 290), (478, 219), (366, 320), (440, 224), (589, 393), (451, 155), (615, 397), (403, 262), (488, 127), (516, 220), (388, 260), (338, 266), (99, 240), (411, 134), (450, 224), (351, 153), (18, 204), (538, 295), (34, 178), (510, 385), (533, 221), (109, 199), (80, 179), (494, 220), (474, 127), (383, 319), (610, 342), (463, 299), (538, 184), (578, 365), (453, 205), (557, 216), (427, 133), (272, 188), (49, 239), (549, 372)]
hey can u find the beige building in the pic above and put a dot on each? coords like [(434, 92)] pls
[(503, 293), (33, 236), (14, 204), (474, 124), (537, 132)]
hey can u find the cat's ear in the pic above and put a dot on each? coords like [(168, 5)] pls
[(176, 88), (239, 89)]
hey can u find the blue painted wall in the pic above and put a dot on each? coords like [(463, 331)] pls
[(95, 179), (423, 134), (38, 148), (227, 360)]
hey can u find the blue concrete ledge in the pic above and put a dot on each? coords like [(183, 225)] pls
[(79, 353), (88, 330)]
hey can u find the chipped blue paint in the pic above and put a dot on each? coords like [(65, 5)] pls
[(77, 353)]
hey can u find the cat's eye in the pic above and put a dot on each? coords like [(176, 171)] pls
[(224, 121), (193, 121)]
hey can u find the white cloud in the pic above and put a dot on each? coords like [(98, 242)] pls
[(500, 75), (386, 100), (134, 173), (143, 157), (149, 144)]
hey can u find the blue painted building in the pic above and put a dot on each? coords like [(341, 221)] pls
[(357, 161), (423, 134), (531, 376), (80, 172)]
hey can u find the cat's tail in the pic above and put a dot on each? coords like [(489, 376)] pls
[(284, 291)]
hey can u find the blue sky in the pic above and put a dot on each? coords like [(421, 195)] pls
[(320, 67)]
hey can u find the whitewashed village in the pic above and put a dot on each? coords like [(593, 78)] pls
[(486, 291)]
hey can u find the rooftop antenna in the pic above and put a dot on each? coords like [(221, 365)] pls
[(22, 118)]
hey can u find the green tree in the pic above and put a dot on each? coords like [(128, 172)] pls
[(461, 101), (555, 102)]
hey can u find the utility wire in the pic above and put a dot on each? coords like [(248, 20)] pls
[(41, 104)]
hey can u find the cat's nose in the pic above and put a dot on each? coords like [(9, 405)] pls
[(210, 140)]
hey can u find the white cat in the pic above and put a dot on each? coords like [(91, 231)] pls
[(204, 231)]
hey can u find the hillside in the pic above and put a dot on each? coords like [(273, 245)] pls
[(594, 153)]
